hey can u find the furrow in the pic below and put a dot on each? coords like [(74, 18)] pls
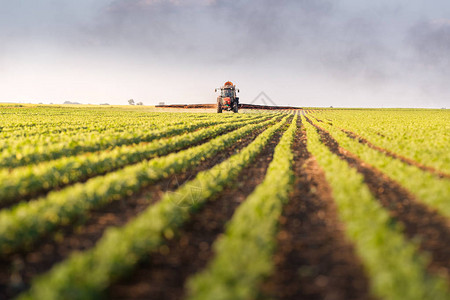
[(163, 276), (426, 187), (406, 160), (396, 268), (86, 275), (89, 229), (420, 222), (243, 253), (31, 181), (27, 222), (31, 155), (314, 259)]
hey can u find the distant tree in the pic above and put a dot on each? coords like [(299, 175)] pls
[(131, 102), (139, 103)]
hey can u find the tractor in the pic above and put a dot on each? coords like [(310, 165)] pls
[(227, 99)]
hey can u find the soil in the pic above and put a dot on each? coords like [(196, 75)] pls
[(44, 192), (17, 270), (314, 260), (164, 274), (420, 222), (394, 155)]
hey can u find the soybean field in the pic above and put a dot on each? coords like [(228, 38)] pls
[(139, 203)]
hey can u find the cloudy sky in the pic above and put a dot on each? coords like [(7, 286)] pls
[(344, 53)]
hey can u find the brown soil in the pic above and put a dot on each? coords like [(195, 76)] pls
[(164, 275), (43, 192), (394, 155), (420, 221), (17, 270), (313, 258)]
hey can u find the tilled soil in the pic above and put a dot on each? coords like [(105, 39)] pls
[(419, 221), (313, 258), (164, 275), (394, 155), (44, 192), (17, 270)]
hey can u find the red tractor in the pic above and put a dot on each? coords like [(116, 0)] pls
[(227, 99)]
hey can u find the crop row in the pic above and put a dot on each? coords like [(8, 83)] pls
[(26, 222), (47, 134), (80, 123), (73, 127), (30, 180), (14, 140), (427, 187), (86, 275), (35, 118), (243, 255), (396, 268), (32, 154), (420, 135)]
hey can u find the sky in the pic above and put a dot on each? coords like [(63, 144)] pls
[(311, 53)]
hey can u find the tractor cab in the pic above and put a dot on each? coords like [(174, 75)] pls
[(228, 92), (228, 99)]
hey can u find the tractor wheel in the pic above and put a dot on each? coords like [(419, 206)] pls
[(219, 108), (235, 107)]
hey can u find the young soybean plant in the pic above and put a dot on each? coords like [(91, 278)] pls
[(10, 159), (86, 275), (427, 187), (244, 253), (395, 267), (26, 222), (31, 180)]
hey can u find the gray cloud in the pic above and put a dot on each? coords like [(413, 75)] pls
[(211, 30), (308, 34), (378, 46), (430, 42)]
